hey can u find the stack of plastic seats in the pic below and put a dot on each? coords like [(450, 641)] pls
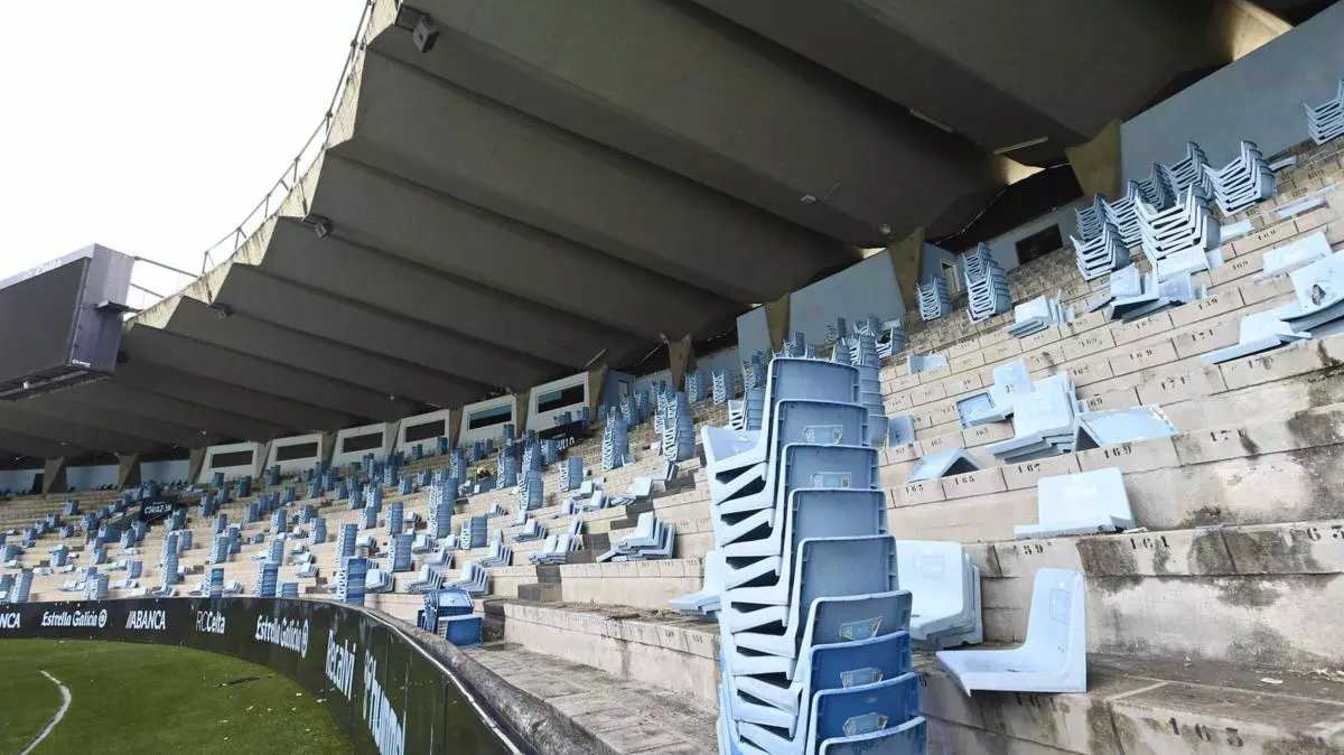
[(350, 581), (1187, 172), (891, 340), (474, 579), (60, 554), (995, 404), (1043, 422), (170, 562), (695, 386), (1135, 295), (1101, 255), (474, 533), (23, 585), (370, 517), (946, 610), (1326, 121), (531, 491), (1123, 213), (276, 554), (678, 439), (396, 518), (401, 551), (1243, 182), (406, 486), (725, 385), (555, 550), (219, 549), (651, 539), (346, 541), (660, 414), (615, 442), (373, 497), (1177, 239), (289, 590), (441, 502), (268, 575), (531, 530), (815, 652), (571, 473), (500, 554), (863, 356), (986, 285), (279, 520), (1036, 315), (506, 468), (1090, 219), (934, 301), (95, 587), (319, 531), (216, 583)]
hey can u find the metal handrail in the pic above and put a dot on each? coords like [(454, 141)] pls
[(313, 148)]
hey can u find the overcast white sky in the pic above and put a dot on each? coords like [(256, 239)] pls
[(154, 126)]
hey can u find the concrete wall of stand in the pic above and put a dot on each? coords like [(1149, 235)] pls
[(91, 478), (18, 481), (1004, 247), (719, 360), (1258, 98), (165, 471), (865, 288)]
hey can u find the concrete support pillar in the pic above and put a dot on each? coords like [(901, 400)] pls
[(328, 447), (128, 470), (520, 406), (454, 426), (53, 476), (195, 465), (1097, 163), (259, 462), (777, 321), (679, 359), (597, 378), (907, 257)]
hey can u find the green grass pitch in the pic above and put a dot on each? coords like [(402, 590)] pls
[(130, 698)]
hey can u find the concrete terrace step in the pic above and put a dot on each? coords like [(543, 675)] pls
[(621, 715), (1134, 703)]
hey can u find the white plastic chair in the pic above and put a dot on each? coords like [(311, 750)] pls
[(1079, 504), (1054, 656)]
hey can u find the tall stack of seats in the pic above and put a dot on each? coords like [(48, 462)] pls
[(814, 641)]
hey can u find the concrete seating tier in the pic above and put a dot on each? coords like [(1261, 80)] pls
[(1134, 702)]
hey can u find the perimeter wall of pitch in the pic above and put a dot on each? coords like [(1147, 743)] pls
[(378, 684)]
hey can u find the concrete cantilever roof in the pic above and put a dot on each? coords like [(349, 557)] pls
[(552, 182)]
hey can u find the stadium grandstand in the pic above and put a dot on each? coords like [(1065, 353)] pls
[(694, 376)]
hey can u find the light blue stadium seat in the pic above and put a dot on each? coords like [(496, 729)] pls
[(909, 738), (810, 513), (823, 568), (1053, 658), (946, 586)]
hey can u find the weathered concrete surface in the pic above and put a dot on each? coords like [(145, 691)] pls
[(616, 715), (666, 651), (1140, 706)]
